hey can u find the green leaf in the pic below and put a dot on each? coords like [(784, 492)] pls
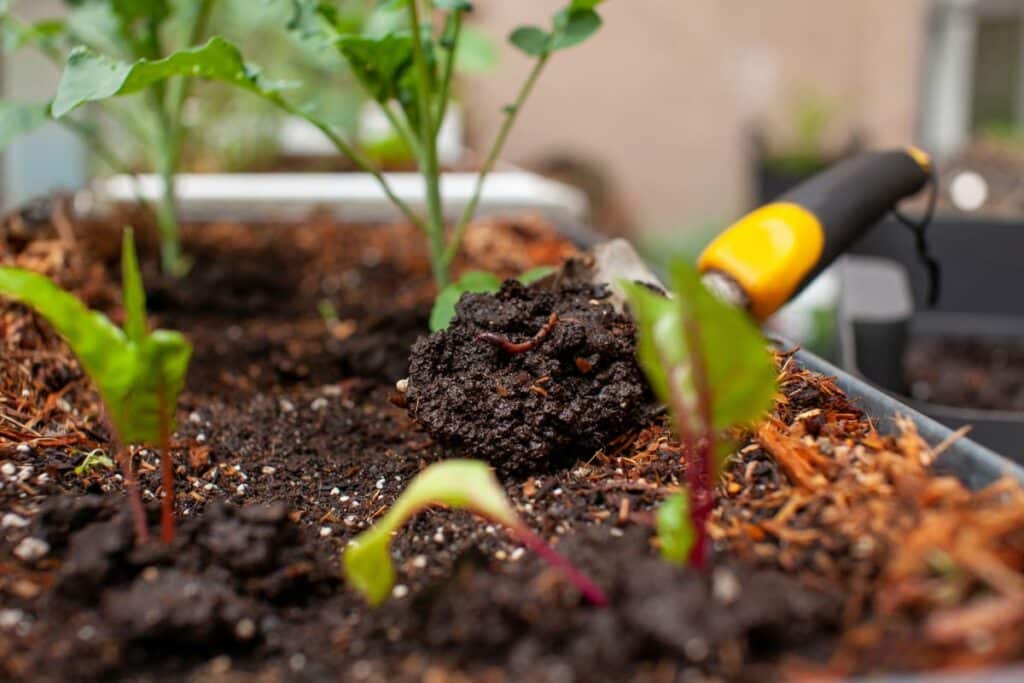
[(675, 529), (476, 52), (534, 274), (17, 119), (17, 36), (443, 312), (91, 76), (532, 40), (462, 484), (584, 4), (378, 63), (454, 5), (740, 370), (133, 295), (139, 382), (573, 26), (94, 460)]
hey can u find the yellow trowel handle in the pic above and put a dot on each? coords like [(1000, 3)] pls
[(772, 253)]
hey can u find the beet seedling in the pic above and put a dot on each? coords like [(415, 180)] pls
[(711, 366), (463, 484), (407, 72), (139, 374)]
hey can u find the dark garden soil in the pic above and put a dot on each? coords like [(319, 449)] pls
[(836, 550), (968, 372)]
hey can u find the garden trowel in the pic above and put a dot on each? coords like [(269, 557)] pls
[(767, 257)]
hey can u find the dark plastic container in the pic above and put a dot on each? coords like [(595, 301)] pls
[(981, 296)]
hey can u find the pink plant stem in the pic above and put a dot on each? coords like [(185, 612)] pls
[(699, 474), (536, 545), (131, 485)]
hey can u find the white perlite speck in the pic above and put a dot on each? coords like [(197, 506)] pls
[(8, 469), (318, 404), (13, 521), (400, 591), (326, 531), (31, 549)]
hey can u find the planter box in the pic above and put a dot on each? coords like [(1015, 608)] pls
[(352, 196), (980, 298)]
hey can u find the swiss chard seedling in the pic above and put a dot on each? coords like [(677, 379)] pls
[(464, 484), (138, 373), (408, 72), (708, 362)]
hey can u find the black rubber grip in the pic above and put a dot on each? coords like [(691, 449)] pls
[(852, 196)]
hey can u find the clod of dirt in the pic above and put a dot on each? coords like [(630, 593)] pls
[(575, 389)]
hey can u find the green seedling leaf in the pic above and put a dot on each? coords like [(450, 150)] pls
[(139, 379), (476, 52), (535, 274), (17, 119), (462, 484), (573, 26), (94, 460), (17, 36), (740, 370), (532, 40), (676, 535), (90, 76), (443, 312)]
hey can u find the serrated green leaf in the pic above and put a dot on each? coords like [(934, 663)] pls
[(574, 26), (740, 370), (478, 281), (133, 295), (532, 40), (17, 119), (90, 76), (676, 535), (461, 484)]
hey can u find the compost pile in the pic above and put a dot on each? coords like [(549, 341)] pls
[(837, 549), (568, 389)]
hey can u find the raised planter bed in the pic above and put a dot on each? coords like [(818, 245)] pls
[(288, 445)]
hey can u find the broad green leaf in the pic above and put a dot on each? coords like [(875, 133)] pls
[(133, 295), (443, 312), (90, 76), (378, 63), (740, 370), (17, 119), (675, 528), (462, 484), (532, 40), (574, 26)]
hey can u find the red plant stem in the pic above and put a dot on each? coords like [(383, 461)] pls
[(131, 485), (503, 343), (699, 472), (167, 509), (536, 545)]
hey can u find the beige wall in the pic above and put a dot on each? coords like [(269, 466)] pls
[(665, 96)]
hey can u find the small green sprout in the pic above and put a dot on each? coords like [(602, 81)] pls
[(94, 460), (408, 71), (478, 282), (463, 484), (675, 530), (708, 362), (138, 373)]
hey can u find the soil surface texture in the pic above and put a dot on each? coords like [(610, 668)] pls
[(967, 372), (836, 550), (574, 389)]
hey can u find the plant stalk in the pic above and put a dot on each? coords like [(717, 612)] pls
[(428, 159), (699, 471), (536, 545), (449, 70), (167, 474), (512, 112)]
